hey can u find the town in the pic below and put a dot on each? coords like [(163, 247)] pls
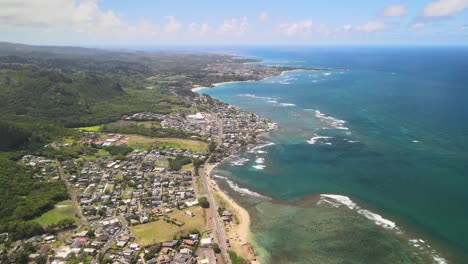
[(149, 205)]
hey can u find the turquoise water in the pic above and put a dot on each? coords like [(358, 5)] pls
[(390, 132)]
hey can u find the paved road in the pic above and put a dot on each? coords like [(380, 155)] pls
[(213, 206), (76, 205), (214, 212)]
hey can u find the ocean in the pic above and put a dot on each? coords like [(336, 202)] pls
[(370, 161)]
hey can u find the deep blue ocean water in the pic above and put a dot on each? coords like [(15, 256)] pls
[(388, 129)]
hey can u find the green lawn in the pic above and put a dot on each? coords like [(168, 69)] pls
[(91, 128), (61, 211), (160, 230), (145, 143)]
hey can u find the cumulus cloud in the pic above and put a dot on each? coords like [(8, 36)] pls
[(78, 16), (397, 10), (74, 15), (445, 7), (198, 28), (172, 25), (235, 25), (263, 17), (371, 26), (296, 28)]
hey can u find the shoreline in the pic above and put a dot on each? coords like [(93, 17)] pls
[(242, 230), (214, 85)]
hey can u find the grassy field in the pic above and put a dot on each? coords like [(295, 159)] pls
[(160, 231), (144, 143), (62, 210), (91, 128), (187, 167), (127, 123), (201, 189)]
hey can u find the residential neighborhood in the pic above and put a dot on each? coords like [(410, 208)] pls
[(137, 206)]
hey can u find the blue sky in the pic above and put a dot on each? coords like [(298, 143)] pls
[(243, 22)]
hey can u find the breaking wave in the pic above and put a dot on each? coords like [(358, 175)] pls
[(239, 162), (257, 148), (242, 191), (336, 200), (319, 139), (334, 122)]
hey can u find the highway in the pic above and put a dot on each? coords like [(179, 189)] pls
[(213, 206)]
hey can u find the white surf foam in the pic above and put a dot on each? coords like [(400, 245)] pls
[(242, 191), (239, 162), (258, 97), (259, 167), (346, 201), (260, 160), (340, 200), (257, 148), (287, 104), (327, 73), (334, 122), (317, 139)]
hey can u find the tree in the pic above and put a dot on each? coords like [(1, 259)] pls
[(203, 202), (212, 146), (216, 248), (66, 223)]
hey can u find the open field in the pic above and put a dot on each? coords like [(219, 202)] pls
[(187, 167), (160, 230), (61, 211), (127, 123), (91, 128), (144, 143)]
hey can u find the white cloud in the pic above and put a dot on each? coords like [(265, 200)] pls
[(347, 27), (70, 15), (418, 25), (172, 25), (198, 28), (397, 10), (445, 7), (235, 25), (263, 17), (75, 16), (371, 26), (296, 28)]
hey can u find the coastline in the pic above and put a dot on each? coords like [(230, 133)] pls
[(214, 85), (239, 232)]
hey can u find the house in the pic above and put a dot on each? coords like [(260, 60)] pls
[(170, 244), (189, 242), (164, 259), (63, 253), (206, 242)]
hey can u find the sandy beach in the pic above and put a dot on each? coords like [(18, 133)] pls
[(195, 89), (238, 234)]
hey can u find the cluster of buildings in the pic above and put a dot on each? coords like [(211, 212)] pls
[(204, 124), (144, 116), (247, 71), (44, 169)]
